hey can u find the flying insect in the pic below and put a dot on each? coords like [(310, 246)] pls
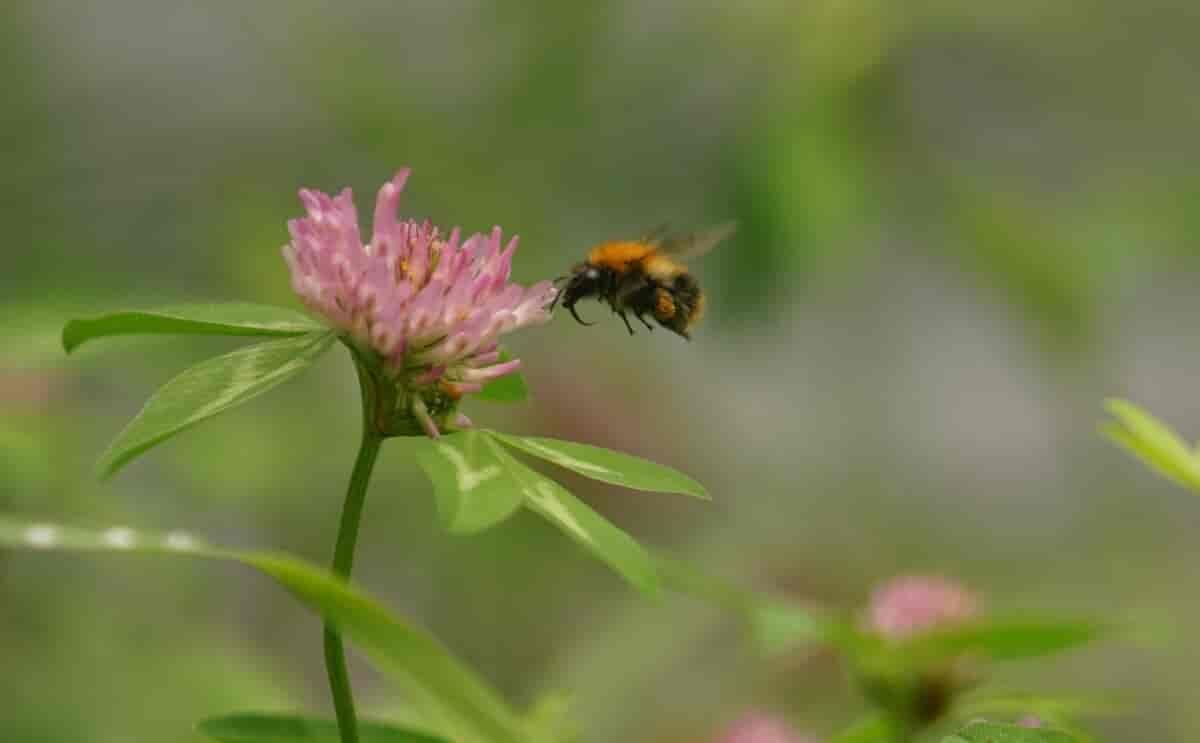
[(644, 277)]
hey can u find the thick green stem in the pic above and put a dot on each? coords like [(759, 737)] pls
[(343, 560)]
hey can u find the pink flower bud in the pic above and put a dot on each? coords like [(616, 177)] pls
[(909, 605), (757, 727)]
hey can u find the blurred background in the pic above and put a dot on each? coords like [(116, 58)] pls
[(962, 227)]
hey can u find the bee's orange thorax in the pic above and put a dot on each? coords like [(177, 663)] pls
[(619, 255)]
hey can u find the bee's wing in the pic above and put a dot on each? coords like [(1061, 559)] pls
[(656, 234), (696, 244)]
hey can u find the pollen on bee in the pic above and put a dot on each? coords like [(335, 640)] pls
[(664, 305)]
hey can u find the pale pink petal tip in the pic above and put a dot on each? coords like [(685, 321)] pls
[(432, 304), (910, 605)]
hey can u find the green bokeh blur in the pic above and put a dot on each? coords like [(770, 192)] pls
[(962, 226)]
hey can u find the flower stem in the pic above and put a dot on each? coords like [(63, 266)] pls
[(343, 561)]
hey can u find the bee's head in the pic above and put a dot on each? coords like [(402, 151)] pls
[(585, 280)]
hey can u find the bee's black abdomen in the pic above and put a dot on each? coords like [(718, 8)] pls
[(677, 303), (686, 289)]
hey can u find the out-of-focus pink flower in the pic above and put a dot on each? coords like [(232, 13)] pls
[(757, 727), (1030, 721), (910, 605), (28, 390), (429, 305)]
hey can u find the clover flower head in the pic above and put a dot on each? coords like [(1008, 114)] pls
[(427, 306), (910, 605)]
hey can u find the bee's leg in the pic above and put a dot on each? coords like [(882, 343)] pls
[(574, 314), (624, 293), (626, 319), (646, 323)]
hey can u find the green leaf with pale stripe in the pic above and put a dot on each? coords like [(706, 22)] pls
[(578, 521), (990, 732), (1000, 638), (211, 387), (459, 705), (989, 702), (252, 727), (473, 487), (1057, 712), (456, 703), (1152, 441), (477, 484), (509, 388), (606, 465), (233, 318)]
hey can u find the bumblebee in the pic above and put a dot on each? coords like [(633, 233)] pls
[(644, 277)]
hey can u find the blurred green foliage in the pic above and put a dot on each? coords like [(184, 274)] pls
[(961, 227)]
